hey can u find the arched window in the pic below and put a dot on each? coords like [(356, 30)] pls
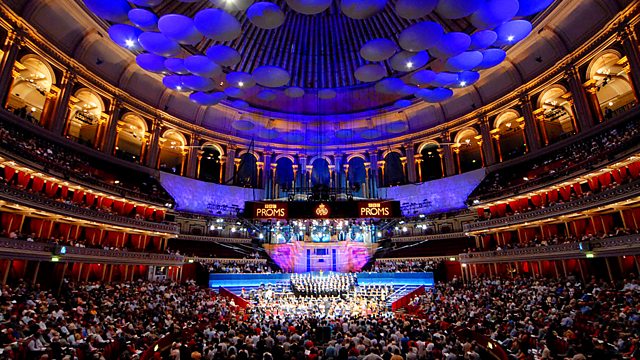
[(247, 175), (320, 174), (84, 119), (509, 129), (393, 169), (284, 173), (172, 152), (556, 117), (28, 95), (209, 168), (431, 164), (132, 134), (611, 83), (357, 176), (467, 150)]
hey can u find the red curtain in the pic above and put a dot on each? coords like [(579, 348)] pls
[(577, 188), (35, 226), (536, 200), (37, 184), (65, 230), (77, 196), (593, 184), (159, 215), (565, 192), (118, 206), (51, 189), (11, 222), (90, 199), (64, 192), (480, 213), (553, 195), (515, 205), (634, 169), (9, 172), (140, 210), (106, 202), (605, 179), (506, 237), (128, 207), (23, 178), (136, 241), (148, 214)]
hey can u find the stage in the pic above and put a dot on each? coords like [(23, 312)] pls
[(338, 256)]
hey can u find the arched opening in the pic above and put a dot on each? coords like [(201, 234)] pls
[(509, 134), (467, 150), (431, 164), (357, 176), (320, 175), (87, 108), (555, 114), (611, 83), (132, 138), (393, 169), (209, 168), (247, 174), (28, 96), (284, 173), (172, 152)]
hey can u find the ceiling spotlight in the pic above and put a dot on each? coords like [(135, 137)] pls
[(463, 83), (129, 43), (510, 38), (409, 64), (240, 84), (610, 103), (179, 88)]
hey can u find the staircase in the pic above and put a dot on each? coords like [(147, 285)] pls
[(399, 292)]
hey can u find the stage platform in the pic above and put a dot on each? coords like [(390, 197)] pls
[(364, 278)]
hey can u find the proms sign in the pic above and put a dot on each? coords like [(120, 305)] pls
[(322, 210)]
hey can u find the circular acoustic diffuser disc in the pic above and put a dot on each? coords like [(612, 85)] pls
[(243, 125), (359, 10), (409, 61), (113, 10), (451, 44), (223, 55), (512, 32), (309, 7), (271, 76), (294, 137), (147, 3), (158, 44), (465, 61), (491, 58), (344, 134), (234, 92), (370, 134), (530, 7), (456, 9), (445, 79), (143, 19), (467, 78), (370, 72), (420, 36), (327, 94), (493, 13), (241, 80), (407, 90), (294, 92), (176, 65), (173, 82), (217, 25), (265, 15), (179, 28), (483, 39), (434, 95), (378, 49), (268, 134), (397, 127), (402, 103), (151, 62), (266, 95), (207, 99), (422, 77), (126, 36), (389, 86), (415, 9), (240, 104), (202, 65), (198, 83), (235, 5)]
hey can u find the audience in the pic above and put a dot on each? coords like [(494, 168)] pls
[(408, 265)]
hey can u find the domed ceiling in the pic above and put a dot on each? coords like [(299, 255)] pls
[(317, 57)]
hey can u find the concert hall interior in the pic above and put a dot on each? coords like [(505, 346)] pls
[(320, 179)]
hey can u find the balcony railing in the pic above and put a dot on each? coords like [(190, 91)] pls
[(209, 260), (613, 246), (21, 249), (43, 203), (609, 196), (448, 236), (216, 239)]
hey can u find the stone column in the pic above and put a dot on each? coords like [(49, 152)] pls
[(592, 91), (629, 41), (230, 169), (222, 168), (11, 50), (373, 159), (418, 165), (584, 116), (110, 137), (486, 146), (496, 137), (411, 167), (367, 168), (192, 157), (531, 133), (449, 161), (154, 144), (62, 107), (266, 172)]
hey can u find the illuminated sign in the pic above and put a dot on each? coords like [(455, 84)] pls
[(322, 210), (374, 209), (270, 210)]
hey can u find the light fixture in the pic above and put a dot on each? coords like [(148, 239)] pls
[(179, 88), (240, 84), (409, 64), (510, 38), (129, 43), (610, 103), (463, 83)]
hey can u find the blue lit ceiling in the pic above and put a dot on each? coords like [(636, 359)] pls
[(317, 56)]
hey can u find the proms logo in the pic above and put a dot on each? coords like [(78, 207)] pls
[(271, 211), (322, 210), (374, 209)]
